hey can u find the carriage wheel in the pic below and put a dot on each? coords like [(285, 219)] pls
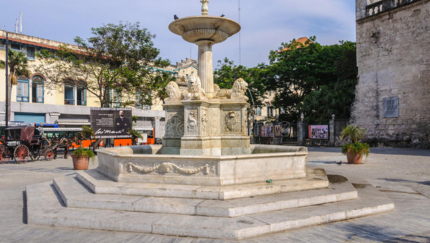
[(21, 154), (49, 155)]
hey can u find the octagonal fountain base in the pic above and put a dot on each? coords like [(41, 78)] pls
[(197, 196), (146, 164)]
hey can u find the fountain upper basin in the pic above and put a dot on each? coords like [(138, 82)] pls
[(146, 164), (197, 28)]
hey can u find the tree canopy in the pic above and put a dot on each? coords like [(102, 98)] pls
[(116, 64), (227, 73), (314, 79)]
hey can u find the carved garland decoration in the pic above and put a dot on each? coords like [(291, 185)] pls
[(165, 168)]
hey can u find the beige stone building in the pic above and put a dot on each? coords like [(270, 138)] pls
[(393, 54), (267, 111), (34, 102)]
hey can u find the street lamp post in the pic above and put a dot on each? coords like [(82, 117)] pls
[(7, 79)]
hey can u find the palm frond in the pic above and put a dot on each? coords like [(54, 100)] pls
[(88, 132), (354, 132), (135, 134)]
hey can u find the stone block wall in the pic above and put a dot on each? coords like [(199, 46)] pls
[(393, 93)]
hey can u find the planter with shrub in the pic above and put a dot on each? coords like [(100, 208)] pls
[(355, 150), (81, 158)]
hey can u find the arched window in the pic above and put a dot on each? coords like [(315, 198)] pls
[(22, 89), (37, 90), (82, 93), (69, 92)]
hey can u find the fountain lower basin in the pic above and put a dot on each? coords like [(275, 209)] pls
[(146, 164)]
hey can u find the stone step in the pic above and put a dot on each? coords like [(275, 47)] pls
[(74, 194), (100, 184), (45, 208)]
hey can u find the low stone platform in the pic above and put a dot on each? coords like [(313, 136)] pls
[(100, 184), (67, 202)]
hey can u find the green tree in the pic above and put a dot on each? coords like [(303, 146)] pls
[(227, 73), (314, 79), (116, 63), (17, 66)]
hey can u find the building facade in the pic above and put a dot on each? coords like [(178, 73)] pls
[(393, 56), (33, 102)]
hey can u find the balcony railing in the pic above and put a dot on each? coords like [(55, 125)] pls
[(385, 5)]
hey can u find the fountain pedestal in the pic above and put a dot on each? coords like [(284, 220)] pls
[(211, 127), (206, 67)]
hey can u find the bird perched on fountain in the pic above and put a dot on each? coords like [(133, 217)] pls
[(176, 17), (222, 15)]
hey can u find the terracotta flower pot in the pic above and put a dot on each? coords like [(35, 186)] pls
[(354, 158), (80, 163)]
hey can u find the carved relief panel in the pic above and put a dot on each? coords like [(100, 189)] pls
[(170, 168), (204, 121), (174, 124), (244, 122), (232, 120), (192, 122)]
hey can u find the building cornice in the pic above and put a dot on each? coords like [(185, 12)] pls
[(391, 10)]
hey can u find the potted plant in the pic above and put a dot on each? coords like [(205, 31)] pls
[(355, 150), (81, 158)]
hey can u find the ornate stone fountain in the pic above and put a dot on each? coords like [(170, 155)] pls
[(206, 180), (225, 133)]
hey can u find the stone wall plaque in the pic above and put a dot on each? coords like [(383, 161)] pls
[(390, 107)]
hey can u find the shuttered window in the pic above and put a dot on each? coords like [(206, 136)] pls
[(22, 89), (37, 90), (69, 92), (30, 53), (82, 93)]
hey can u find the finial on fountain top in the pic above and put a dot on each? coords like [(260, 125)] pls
[(205, 7)]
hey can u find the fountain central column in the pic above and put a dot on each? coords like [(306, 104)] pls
[(206, 66)]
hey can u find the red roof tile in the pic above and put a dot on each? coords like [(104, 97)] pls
[(302, 40)]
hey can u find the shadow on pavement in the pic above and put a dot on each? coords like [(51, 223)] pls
[(389, 151), (401, 151), (409, 239), (325, 149), (24, 207), (427, 183), (375, 233), (64, 168)]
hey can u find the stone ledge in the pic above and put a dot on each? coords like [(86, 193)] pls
[(101, 184)]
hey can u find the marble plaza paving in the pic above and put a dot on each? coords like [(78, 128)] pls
[(403, 175)]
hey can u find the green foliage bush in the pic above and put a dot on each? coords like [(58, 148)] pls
[(83, 152), (356, 148), (355, 133)]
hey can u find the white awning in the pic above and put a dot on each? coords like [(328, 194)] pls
[(50, 129)]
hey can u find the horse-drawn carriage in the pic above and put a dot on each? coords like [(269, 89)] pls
[(24, 143)]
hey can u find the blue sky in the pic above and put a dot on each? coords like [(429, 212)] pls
[(265, 23)]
